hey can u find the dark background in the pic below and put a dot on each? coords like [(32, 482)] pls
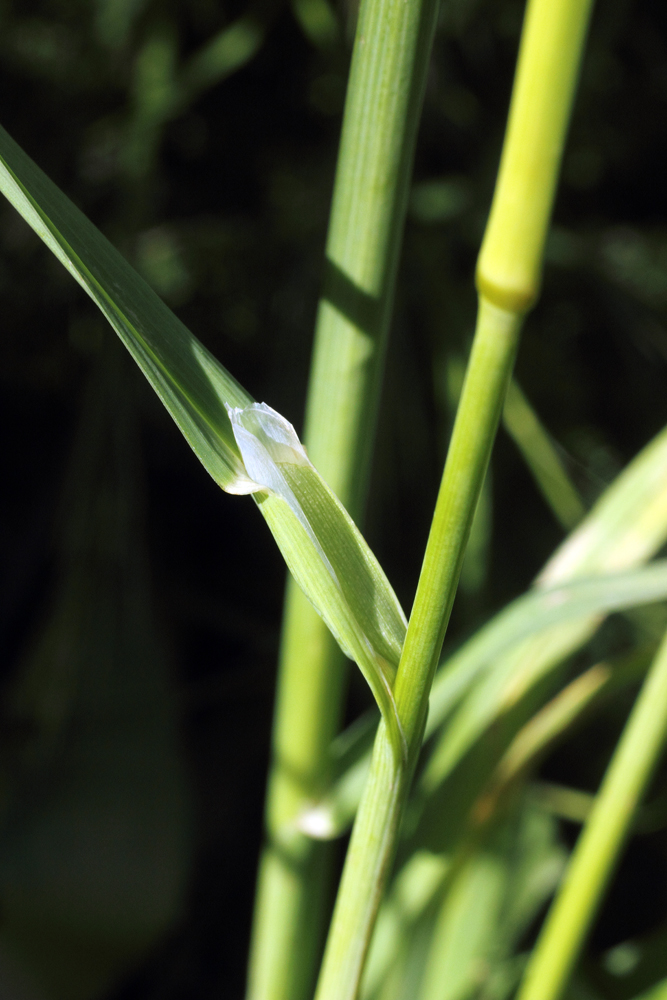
[(141, 606)]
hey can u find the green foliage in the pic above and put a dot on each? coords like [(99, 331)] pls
[(200, 138), (246, 448)]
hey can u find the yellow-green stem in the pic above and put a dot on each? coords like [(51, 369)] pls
[(601, 841), (489, 370), (508, 281), (510, 261), (375, 830)]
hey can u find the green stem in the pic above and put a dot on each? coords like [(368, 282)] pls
[(602, 839), (294, 869), (385, 93), (374, 834), (552, 41), (508, 281), (489, 370)]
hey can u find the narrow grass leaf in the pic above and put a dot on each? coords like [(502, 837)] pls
[(625, 528), (476, 671), (193, 386), (542, 458), (530, 615), (246, 447)]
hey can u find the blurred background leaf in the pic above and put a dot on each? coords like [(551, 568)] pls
[(95, 848)]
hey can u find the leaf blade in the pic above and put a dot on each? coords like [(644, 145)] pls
[(314, 532), (192, 385)]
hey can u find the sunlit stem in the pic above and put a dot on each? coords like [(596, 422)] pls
[(510, 261), (508, 277), (602, 839), (375, 830)]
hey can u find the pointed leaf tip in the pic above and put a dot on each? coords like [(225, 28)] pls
[(322, 547)]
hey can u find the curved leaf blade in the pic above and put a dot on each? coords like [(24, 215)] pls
[(191, 383), (259, 454)]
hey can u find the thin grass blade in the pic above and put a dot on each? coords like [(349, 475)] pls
[(246, 447), (193, 386)]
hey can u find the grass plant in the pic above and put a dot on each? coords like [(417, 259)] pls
[(454, 850), (601, 840)]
